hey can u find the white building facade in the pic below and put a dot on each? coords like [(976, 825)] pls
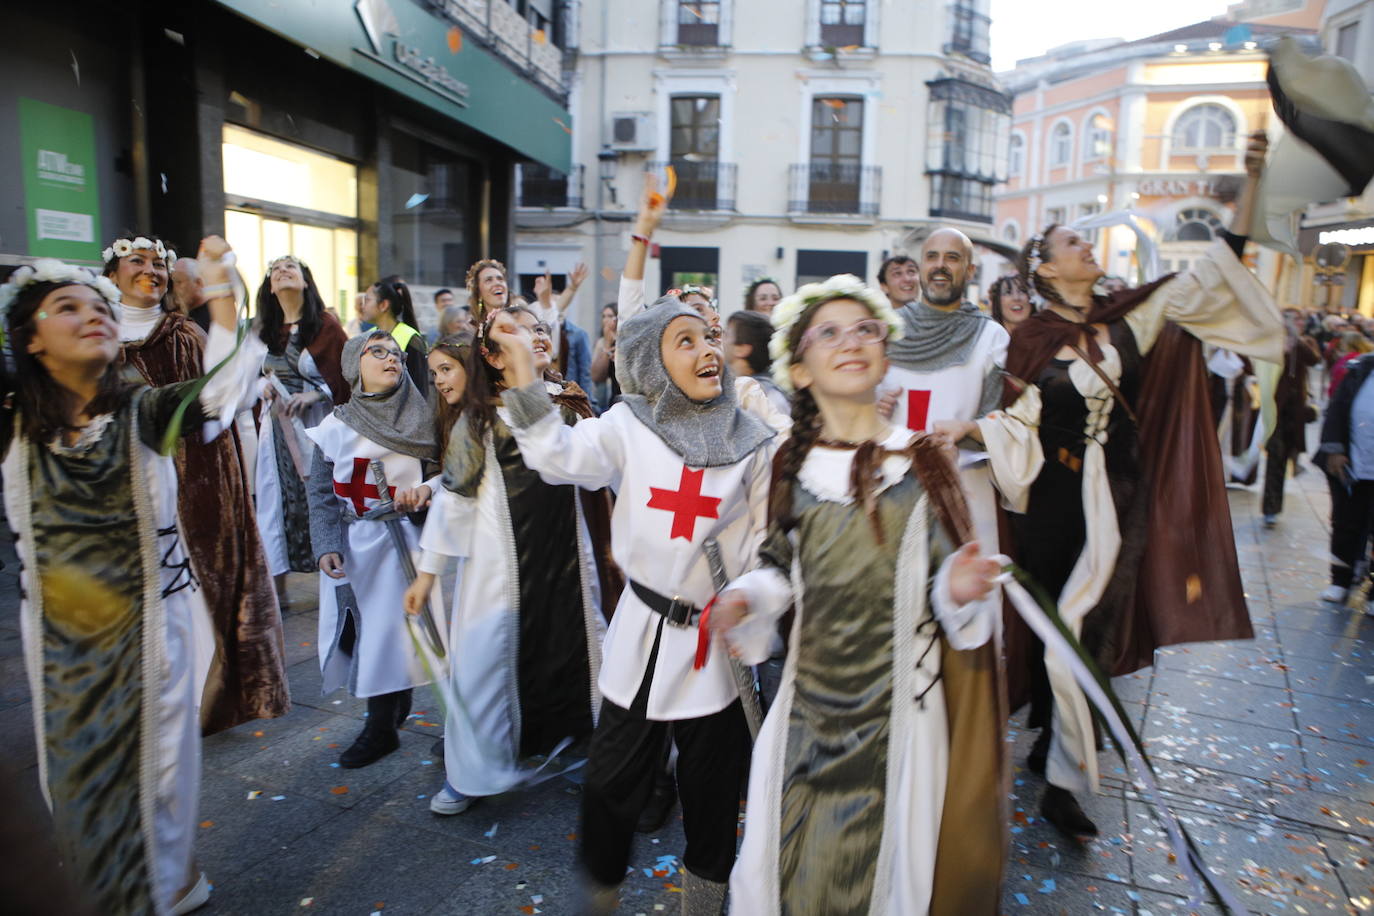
[(808, 138)]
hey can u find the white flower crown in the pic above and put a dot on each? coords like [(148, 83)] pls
[(51, 270), (1034, 259), (122, 248), (789, 311)]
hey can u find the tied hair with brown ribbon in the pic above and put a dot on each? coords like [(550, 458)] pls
[(934, 470)]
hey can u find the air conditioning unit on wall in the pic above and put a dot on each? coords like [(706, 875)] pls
[(632, 131)]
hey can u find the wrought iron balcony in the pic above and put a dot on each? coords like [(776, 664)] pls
[(701, 184), (540, 186), (841, 188)]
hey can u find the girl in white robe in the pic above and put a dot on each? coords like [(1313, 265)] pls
[(527, 619), (117, 641), (358, 530), (877, 779)]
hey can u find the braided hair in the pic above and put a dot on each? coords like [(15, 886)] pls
[(1035, 252), (806, 429)]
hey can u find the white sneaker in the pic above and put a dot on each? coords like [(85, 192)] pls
[(449, 801), (195, 898), (1335, 594)]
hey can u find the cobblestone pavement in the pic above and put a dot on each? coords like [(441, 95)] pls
[(1263, 747)]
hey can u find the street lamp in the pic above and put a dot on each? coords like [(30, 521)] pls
[(608, 160)]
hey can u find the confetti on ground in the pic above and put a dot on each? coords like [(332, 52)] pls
[(1022, 899), (339, 790), (1047, 886), (307, 901), (485, 860), (511, 866), (257, 734), (278, 798), (207, 824), (492, 832), (253, 794)]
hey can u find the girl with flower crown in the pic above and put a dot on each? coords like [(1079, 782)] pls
[(877, 779), (162, 346), (117, 641), (1106, 450)]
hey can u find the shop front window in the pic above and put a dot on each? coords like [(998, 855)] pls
[(432, 213), (281, 198)]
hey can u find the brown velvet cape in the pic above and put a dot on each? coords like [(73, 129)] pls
[(248, 674), (1188, 586)]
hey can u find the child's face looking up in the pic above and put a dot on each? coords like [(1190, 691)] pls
[(693, 355), (843, 352)]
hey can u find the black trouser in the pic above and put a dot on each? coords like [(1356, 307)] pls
[(625, 756), (1351, 516), (1277, 455)]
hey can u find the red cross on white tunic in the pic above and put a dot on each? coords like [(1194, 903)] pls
[(917, 410), (357, 489), (686, 503)]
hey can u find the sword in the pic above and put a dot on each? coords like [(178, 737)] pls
[(745, 683), (386, 513)]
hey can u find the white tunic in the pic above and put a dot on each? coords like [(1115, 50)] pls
[(267, 489), (955, 393), (482, 726), (384, 658), (918, 758), (187, 643), (664, 510)]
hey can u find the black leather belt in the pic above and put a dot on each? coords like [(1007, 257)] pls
[(678, 611)]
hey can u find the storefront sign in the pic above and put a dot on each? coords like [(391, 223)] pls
[(61, 194), (1177, 187), (407, 48), (1358, 236)]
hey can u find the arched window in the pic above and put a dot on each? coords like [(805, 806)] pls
[(1061, 144), (1016, 156), (1205, 127), (1010, 233), (1195, 224)]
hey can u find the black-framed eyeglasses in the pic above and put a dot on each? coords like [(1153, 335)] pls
[(383, 352)]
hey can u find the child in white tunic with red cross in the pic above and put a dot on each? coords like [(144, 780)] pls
[(357, 530), (687, 465)]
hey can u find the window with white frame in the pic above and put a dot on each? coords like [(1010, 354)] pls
[(1010, 233), (1097, 138), (1055, 216), (1016, 156), (1347, 37), (1207, 126), (969, 26), (1061, 144), (842, 23), (698, 22), (1084, 211)]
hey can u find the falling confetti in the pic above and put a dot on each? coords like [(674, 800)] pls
[(455, 40)]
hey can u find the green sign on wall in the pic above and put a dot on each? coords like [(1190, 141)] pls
[(61, 193)]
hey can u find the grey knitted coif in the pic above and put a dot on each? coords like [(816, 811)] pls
[(707, 434)]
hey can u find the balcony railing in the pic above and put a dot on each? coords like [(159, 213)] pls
[(701, 184), (496, 24), (835, 187), (540, 186)]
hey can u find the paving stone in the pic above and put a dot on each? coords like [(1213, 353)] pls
[(1220, 697), (1270, 867)]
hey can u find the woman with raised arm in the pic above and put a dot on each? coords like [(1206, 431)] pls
[(302, 384), (162, 346), (1107, 445), (116, 638)]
